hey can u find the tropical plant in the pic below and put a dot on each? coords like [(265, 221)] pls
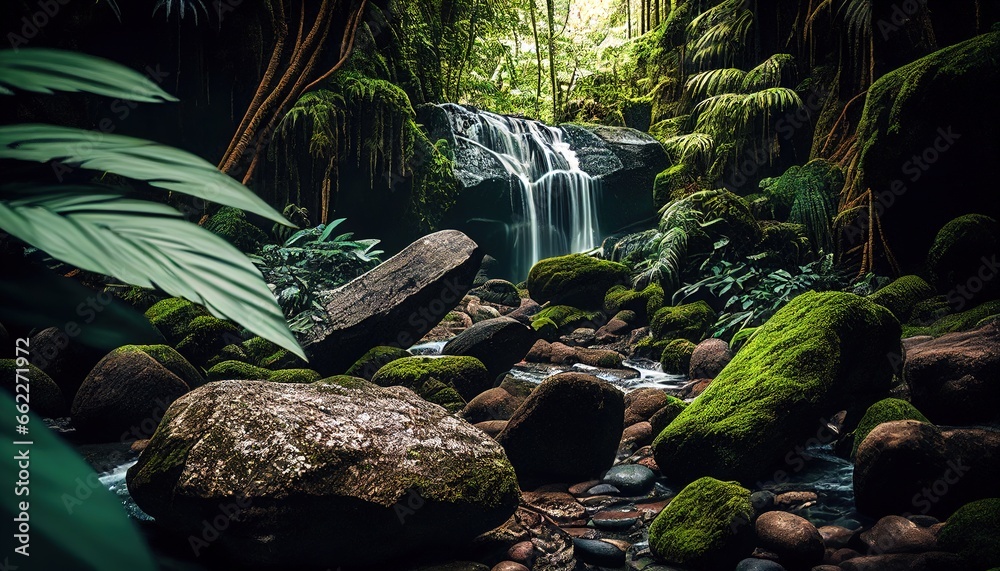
[(311, 262), (109, 229)]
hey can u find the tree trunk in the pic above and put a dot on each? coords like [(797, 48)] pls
[(550, 12), (538, 57)]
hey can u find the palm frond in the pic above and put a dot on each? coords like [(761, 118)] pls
[(45, 70), (715, 82), (159, 165), (693, 148)]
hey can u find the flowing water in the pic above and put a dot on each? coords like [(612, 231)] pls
[(555, 201)]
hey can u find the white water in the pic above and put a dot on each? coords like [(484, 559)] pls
[(556, 201)]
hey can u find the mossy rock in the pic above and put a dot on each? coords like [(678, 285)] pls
[(961, 250), (170, 359), (46, 398), (689, 322), (784, 244), (467, 375), (885, 410), (346, 381), (650, 347), (433, 390), (231, 352), (501, 292), (231, 225), (733, 215), (821, 353), (807, 195), (667, 413), (670, 184), (375, 359), (902, 295), (644, 303), (258, 349), (577, 280), (972, 532), (928, 311), (173, 317), (206, 337), (676, 357), (628, 317), (236, 370), (706, 526), (565, 319), (963, 321), (283, 359)]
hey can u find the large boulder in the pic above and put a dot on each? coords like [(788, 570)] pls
[(955, 379), (498, 343), (66, 360), (45, 397), (125, 393), (396, 303), (821, 353), (170, 359), (885, 410), (567, 430), (466, 375), (575, 280), (972, 532), (963, 259), (321, 474), (706, 526), (909, 466), (689, 321), (902, 295), (796, 541)]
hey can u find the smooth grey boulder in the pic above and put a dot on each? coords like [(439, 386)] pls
[(396, 303), (337, 472), (499, 343)]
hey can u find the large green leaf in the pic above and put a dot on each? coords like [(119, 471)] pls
[(74, 521), (146, 244), (45, 70), (159, 165)]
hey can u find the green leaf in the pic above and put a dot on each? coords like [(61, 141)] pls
[(330, 228), (149, 245), (159, 165), (45, 70), (75, 522)]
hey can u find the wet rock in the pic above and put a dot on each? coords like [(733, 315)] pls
[(597, 552), (397, 302), (560, 506), (603, 490), (616, 520), (754, 564), (525, 311), (709, 358), (955, 379), (499, 343), (637, 435), (895, 534), (835, 536), (66, 361), (935, 561), (494, 404), (568, 429), (303, 455), (913, 467), (630, 479), (794, 500), (793, 538), (522, 552), (641, 404), (581, 488), (124, 397), (509, 566), (492, 427), (46, 398)]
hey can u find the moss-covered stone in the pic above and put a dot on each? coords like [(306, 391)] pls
[(173, 316), (885, 410), (207, 335), (169, 358), (955, 322), (676, 357), (467, 375), (46, 399), (960, 251), (258, 349), (706, 526), (231, 352), (807, 195), (902, 295), (501, 292), (433, 390), (231, 225), (972, 532), (375, 359), (644, 303), (821, 353), (689, 322), (784, 244), (294, 376), (650, 348), (663, 417), (346, 381), (238, 370), (577, 279), (628, 317), (671, 184), (561, 320), (928, 311)]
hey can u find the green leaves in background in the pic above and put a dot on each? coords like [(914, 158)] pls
[(75, 522)]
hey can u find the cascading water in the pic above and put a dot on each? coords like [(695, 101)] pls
[(555, 201)]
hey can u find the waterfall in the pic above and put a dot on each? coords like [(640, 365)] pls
[(554, 202)]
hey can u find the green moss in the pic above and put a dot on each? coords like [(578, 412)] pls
[(885, 410), (206, 337), (237, 370), (258, 349), (972, 532), (346, 381), (46, 398), (467, 375), (663, 417), (564, 318), (963, 321), (170, 359), (283, 359), (807, 195), (682, 322), (231, 225), (671, 184), (928, 311), (902, 295), (501, 292), (821, 353), (627, 316), (230, 352), (959, 250), (435, 391), (706, 526), (173, 316), (644, 303), (301, 376), (375, 359), (784, 244), (577, 279), (650, 347), (676, 357)]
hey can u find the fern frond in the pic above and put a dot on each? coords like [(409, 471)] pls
[(715, 82), (768, 74)]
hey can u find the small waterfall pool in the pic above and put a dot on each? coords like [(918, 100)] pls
[(555, 200)]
